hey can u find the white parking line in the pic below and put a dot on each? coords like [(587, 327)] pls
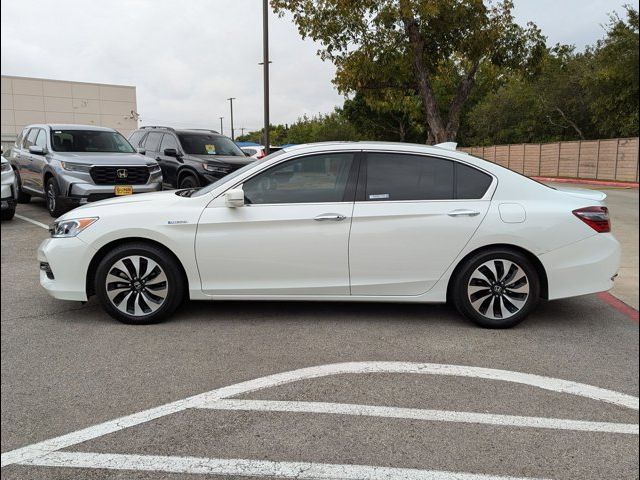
[(44, 451), (421, 414), (35, 222), (249, 468)]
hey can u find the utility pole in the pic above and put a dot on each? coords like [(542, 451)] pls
[(242, 129), (231, 103), (265, 64), (221, 129)]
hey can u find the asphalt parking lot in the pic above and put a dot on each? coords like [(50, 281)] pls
[(385, 391)]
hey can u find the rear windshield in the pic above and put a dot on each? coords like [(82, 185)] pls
[(89, 141), (209, 144)]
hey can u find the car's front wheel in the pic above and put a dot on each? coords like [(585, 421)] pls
[(54, 205), (496, 288), (139, 284)]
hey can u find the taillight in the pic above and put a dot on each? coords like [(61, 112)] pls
[(596, 217), (261, 155)]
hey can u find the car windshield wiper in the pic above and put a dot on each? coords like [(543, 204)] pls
[(187, 192)]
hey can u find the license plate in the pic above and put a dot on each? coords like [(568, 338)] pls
[(123, 190)]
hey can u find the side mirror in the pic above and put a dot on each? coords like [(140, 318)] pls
[(234, 197), (36, 150), (141, 151), (171, 152)]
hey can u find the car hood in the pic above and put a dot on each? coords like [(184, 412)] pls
[(90, 158), (585, 193), (229, 159)]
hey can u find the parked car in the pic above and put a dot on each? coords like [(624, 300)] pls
[(352, 221), (258, 151), (190, 158), (71, 165), (9, 190)]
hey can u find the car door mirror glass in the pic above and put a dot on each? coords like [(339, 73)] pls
[(171, 152), (141, 151), (234, 197)]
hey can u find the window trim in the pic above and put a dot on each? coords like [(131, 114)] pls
[(350, 186), (362, 179)]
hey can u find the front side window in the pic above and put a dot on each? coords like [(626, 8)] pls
[(41, 139), (209, 144), (169, 141), (89, 141), (31, 137), (395, 176), (313, 179)]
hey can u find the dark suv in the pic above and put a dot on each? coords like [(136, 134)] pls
[(189, 158)]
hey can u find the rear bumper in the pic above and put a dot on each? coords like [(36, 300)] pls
[(68, 260), (584, 267)]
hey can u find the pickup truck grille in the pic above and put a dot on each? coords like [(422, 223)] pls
[(137, 175)]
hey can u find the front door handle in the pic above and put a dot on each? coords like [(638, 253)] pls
[(335, 217), (463, 213)]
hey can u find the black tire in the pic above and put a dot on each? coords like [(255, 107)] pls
[(188, 180), (131, 294), (52, 198), (505, 296), (8, 213), (22, 196)]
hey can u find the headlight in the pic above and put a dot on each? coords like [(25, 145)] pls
[(70, 228), (216, 168), (75, 167), (6, 167), (154, 168)]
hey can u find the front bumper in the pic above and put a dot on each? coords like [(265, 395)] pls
[(81, 193), (584, 267), (68, 260)]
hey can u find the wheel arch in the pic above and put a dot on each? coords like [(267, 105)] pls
[(535, 261), (105, 249), (186, 170)]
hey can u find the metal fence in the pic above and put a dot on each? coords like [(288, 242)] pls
[(611, 159)]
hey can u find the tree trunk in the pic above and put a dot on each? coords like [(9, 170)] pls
[(433, 119)]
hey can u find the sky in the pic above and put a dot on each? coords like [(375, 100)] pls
[(186, 58)]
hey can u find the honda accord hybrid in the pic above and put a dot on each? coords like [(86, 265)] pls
[(352, 221)]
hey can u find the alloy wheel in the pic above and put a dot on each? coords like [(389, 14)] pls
[(498, 289), (136, 285)]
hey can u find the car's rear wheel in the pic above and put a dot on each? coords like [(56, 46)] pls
[(139, 284), (496, 288), (9, 212), (188, 181), (52, 197), (22, 196)]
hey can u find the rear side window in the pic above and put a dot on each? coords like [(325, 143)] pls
[(470, 182), (152, 143), (394, 176), (135, 138)]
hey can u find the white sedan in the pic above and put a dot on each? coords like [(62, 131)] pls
[(360, 221)]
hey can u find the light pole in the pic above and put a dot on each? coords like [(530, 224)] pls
[(221, 129), (265, 65), (231, 103)]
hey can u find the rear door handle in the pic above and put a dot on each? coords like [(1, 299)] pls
[(335, 217), (463, 213)]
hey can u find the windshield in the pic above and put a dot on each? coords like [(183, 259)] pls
[(89, 141), (232, 175), (209, 144)]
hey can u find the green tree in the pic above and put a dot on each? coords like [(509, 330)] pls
[(381, 45), (611, 80)]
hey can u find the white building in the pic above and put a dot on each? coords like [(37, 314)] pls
[(38, 100)]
